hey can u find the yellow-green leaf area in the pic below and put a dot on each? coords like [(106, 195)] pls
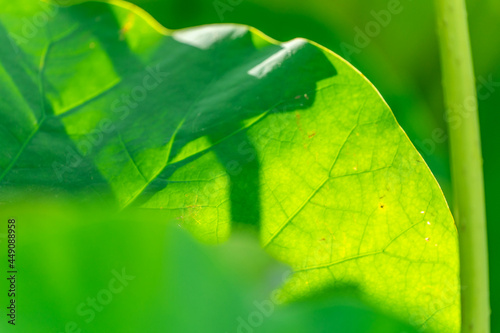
[(219, 127)]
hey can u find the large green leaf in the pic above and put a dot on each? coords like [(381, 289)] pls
[(219, 127)]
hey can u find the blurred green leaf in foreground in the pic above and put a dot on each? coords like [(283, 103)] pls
[(89, 270)]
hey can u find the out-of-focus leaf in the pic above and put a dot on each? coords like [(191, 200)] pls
[(219, 127), (92, 271)]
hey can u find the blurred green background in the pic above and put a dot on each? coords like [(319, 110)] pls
[(401, 59)]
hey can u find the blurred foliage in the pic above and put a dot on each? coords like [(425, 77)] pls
[(402, 61), (99, 271)]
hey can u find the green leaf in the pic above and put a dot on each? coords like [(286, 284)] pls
[(220, 127), (116, 281)]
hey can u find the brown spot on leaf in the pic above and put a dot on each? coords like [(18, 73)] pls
[(127, 26)]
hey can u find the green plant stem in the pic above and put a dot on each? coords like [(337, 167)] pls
[(466, 163)]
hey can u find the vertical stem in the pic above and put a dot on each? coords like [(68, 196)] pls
[(466, 163)]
